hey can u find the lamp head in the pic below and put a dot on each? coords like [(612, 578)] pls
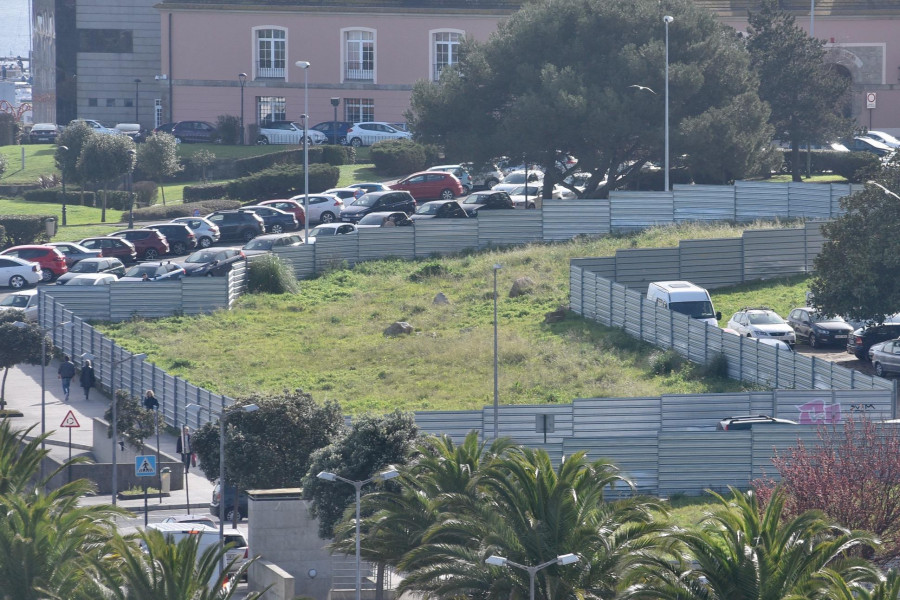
[(303, 64), (137, 80), (497, 561), (335, 102), (667, 19), (566, 559), (385, 475), (327, 476), (242, 77)]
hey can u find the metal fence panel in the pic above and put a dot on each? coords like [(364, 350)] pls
[(838, 191), (146, 299), (509, 227), (603, 306), (445, 236), (615, 417), (331, 252), (760, 200), (637, 267), (696, 412), (526, 423), (821, 407), (455, 423), (774, 253), (619, 306), (564, 219), (301, 258), (815, 240), (203, 294), (88, 302), (712, 263), (639, 210), (809, 200), (766, 442), (637, 456), (384, 242), (633, 314), (694, 461), (704, 203)]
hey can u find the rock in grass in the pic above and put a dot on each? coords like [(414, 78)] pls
[(521, 286), (398, 328), (441, 299)]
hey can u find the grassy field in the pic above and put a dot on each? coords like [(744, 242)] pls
[(781, 295), (328, 340)]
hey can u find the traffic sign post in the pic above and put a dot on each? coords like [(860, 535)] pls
[(70, 423), (871, 104), (145, 466)]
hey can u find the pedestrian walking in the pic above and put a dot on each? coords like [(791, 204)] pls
[(183, 447), (87, 378), (65, 373), (150, 401)]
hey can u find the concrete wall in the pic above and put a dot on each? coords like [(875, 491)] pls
[(281, 582)]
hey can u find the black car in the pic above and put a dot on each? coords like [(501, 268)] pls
[(864, 338), (180, 237), (243, 501), (749, 422), (384, 201), (817, 330), (486, 200), (440, 209), (195, 132), (329, 129), (274, 220), (211, 262), (243, 225)]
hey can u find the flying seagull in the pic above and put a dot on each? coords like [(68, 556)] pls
[(642, 87)]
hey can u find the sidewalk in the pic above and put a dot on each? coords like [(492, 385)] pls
[(23, 393)]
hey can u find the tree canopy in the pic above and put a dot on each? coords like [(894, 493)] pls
[(105, 158), (21, 344), (158, 158), (587, 79)]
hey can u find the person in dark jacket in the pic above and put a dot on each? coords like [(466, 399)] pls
[(150, 401), (87, 378), (65, 373)]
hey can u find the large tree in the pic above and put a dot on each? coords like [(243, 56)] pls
[(104, 159), (806, 94), (587, 78), (158, 158)]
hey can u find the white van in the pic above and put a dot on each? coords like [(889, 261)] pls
[(686, 298), (209, 536)]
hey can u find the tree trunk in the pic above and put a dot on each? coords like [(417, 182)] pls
[(162, 189), (103, 212), (235, 509), (379, 581), (796, 172)]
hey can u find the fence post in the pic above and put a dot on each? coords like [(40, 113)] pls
[(175, 404), (812, 384)]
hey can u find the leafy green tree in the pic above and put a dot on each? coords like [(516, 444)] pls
[(806, 94), (203, 159), (745, 552), (158, 158), (134, 422), (73, 137), (853, 272), (587, 79), (21, 345), (105, 158)]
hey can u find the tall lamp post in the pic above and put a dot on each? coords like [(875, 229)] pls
[(222, 418), (383, 476), (242, 78), (137, 88), (562, 560), (667, 19), (130, 175), (496, 268), (64, 150), (335, 102), (304, 64), (115, 418)]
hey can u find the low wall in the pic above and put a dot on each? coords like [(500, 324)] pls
[(268, 574)]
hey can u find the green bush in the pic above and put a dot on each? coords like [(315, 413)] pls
[(23, 229), (2, 237), (294, 156), (9, 130), (398, 157), (665, 363), (850, 165), (145, 193), (54, 196), (171, 211), (717, 367), (336, 155), (228, 127), (207, 191), (282, 181), (268, 274)]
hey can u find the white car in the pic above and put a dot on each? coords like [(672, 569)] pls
[(884, 138), (370, 132), (98, 127), (762, 323), (92, 279), (486, 176), (26, 300), (515, 179), (19, 273), (323, 208), (330, 230), (206, 232), (287, 132)]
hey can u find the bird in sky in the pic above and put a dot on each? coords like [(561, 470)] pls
[(642, 87)]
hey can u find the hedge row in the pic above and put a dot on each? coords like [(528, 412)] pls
[(398, 157), (145, 194), (852, 165), (332, 155), (206, 191), (280, 181), (172, 211), (16, 230)]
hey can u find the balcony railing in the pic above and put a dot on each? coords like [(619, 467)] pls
[(355, 72), (270, 72)]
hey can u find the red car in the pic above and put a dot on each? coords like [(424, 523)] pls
[(51, 260), (150, 244), (291, 206), (111, 247), (431, 185)]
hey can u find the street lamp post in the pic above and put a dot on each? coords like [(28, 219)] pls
[(383, 476), (497, 267), (335, 102), (883, 189), (137, 87), (562, 560), (64, 150), (115, 424), (303, 64), (667, 19), (131, 154), (242, 78)]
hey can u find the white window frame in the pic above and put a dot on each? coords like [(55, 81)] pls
[(269, 72), (363, 105), (276, 105), (434, 71), (345, 41)]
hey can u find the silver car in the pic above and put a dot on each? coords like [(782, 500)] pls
[(885, 357), (206, 232), (762, 323)]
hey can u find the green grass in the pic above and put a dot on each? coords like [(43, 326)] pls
[(785, 178), (689, 511), (327, 339), (38, 161), (781, 295)]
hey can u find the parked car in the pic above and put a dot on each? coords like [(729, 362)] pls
[(237, 224), (292, 205), (194, 132), (385, 219), (439, 209), (330, 229), (165, 128), (205, 231), (885, 357), (762, 322), (266, 243), (335, 131), (43, 133), (73, 252), (347, 194), (242, 502), (378, 202), (154, 271), (211, 262), (866, 144), (745, 423), (91, 279), (110, 265), (431, 185), (366, 187), (25, 300), (371, 132), (817, 330), (274, 220), (885, 138), (111, 247), (196, 519), (97, 127), (525, 196), (179, 236), (51, 260), (19, 273), (515, 179), (862, 339), (287, 132), (150, 244), (323, 208), (484, 176), (132, 130), (458, 171), (486, 200)]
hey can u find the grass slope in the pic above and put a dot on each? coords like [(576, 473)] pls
[(328, 340)]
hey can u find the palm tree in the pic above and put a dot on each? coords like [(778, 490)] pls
[(743, 553)]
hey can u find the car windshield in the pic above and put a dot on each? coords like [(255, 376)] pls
[(475, 199), (84, 267), (765, 318), (372, 219), (85, 281), (520, 178), (820, 319), (520, 191), (141, 270), (366, 200), (320, 231), (205, 256), (16, 301), (428, 209), (259, 245), (696, 309)]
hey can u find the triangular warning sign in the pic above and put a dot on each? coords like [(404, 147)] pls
[(70, 420), (146, 467)]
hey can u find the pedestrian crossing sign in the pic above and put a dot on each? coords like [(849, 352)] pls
[(145, 466)]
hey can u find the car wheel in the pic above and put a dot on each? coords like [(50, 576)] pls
[(205, 242), (262, 141), (467, 189), (491, 182), (879, 370), (17, 282), (248, 235), (813, 342), (327, 217), (229, 515), (178, 248), (46, 275), (530, 205), (151, 254), (356, 142), (276, 228), (446, 195), (342, 140)]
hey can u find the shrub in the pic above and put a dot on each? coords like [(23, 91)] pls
[(145, 193), (229, 129), (171, 211), (336, 155), (2, 237), (4, 164), (294, 156), (717, 367), (23, 229), (397, 157), (9, 130), (666, 363), (845, 164), (282, 181), (208, 191), (268, 274), (54, 196)]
